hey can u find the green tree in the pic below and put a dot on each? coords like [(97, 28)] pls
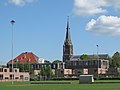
[(23, 66), (93, 57), (42, 71), (46, 72), (19, 65), (56, 61), (26, 66), (115, 61), (84, 57)]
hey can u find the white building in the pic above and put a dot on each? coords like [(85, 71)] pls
[(41, 60)]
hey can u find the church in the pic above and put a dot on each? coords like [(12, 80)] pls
[(94, 66)]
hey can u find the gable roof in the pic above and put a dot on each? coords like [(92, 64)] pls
[(25, 57)]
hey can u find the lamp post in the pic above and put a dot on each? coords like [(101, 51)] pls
[(98, 59), (12, 22)]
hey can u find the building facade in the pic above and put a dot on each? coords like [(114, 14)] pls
[(58, 69), (92, 67), (6, 74)]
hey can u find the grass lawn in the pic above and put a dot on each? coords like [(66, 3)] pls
[(73, 86)]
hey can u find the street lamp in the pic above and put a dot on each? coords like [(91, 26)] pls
[(12, 22), (98, 59)]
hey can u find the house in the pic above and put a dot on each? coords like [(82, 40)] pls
[(6, 74)]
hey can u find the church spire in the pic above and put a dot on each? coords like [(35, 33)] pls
[(68, 38), (67, 47), (68, 22)]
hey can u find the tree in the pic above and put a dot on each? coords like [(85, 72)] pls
[(56, 61), (115, 61), (93, 57), (19, 65), (26, 66), (23, 66), (42, 71), (46, 72), (84, 57)]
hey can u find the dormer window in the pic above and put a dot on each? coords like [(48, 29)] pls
[(25, 55)]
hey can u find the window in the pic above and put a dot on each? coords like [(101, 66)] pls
[(5, 70), (61, 71), (26, 78), (92, 62), (80, 63), (86, 63), (74, 63), (1, 69), (96, 62), (16, 77), (25, 55), (104, 63), (38, 66), (21, 76), (70, 63), (32, 66), (10, 69), (6, 78), (1, 76), (54, 66), (17, 59), (11, 76), (15, 70)]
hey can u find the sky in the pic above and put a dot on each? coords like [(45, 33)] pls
[(40, 27)]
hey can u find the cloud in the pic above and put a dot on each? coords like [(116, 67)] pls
[(20, 2), (93, 7), (116, 4), (89, 7), (109, 25)]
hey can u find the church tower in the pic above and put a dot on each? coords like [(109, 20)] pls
[(67, 47)]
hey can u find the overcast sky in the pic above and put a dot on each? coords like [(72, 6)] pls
[(41, 26)]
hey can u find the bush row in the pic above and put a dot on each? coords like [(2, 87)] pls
[(62, 78), (109, 79)]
